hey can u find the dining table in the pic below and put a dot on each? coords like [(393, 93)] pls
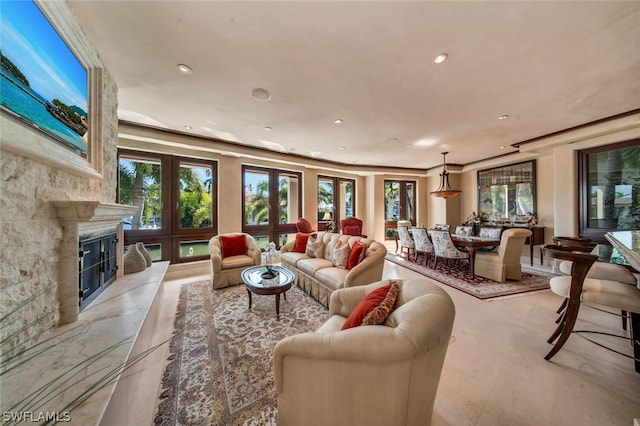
[(473, 244)]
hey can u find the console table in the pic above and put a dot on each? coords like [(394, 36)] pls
[(536, 238)]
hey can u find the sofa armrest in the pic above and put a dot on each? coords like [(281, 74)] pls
[(370, 269), (288, 247), (215, 252), (343, 302), (342, 346), (253, 250)]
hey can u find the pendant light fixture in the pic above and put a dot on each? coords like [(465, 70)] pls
[(445, 191)]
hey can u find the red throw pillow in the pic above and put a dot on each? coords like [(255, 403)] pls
[(301, 242), (372, 301), (356, 255), (351, 230), (233, 245)]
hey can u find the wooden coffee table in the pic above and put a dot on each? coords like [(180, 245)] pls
[(255, 284)]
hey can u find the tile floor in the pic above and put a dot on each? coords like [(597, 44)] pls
[(495, 372)]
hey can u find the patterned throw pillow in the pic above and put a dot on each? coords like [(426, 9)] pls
[(314, 247), (340, 255), (380, 313), (371, 302)]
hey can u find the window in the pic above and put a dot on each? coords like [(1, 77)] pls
[(609, 189), (507, 192), (176, 199), (333, 206), (399, 204), (272, 202)]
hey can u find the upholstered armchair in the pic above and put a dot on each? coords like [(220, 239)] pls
[(370, 375), (230, 255), (505, 263), (352, 226)]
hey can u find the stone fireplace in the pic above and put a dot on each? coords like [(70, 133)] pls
[(89, 221)]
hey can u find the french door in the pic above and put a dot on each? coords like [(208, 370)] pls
[(399, 204), (176, 199), (271, 204)]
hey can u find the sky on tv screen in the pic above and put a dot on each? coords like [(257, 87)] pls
[(33, 47)]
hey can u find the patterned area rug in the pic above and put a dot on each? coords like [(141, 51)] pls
[(220, 368), (482, 288)]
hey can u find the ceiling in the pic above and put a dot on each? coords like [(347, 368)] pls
[(549, 66)]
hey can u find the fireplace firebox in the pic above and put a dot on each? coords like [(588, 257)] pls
[(97, 264)]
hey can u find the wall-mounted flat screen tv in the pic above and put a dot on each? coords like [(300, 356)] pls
[(42, 82)]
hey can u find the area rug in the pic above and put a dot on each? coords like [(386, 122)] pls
[(482, 288), (220, 368)]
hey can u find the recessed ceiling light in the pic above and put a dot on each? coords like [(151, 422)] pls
[(503, 117), (502, 147), (187, 127), (440, 58), (338, 121), (268, 128), (343, 147), (185, 69), (261, 94)]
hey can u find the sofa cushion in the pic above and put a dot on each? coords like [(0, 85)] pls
[(239, 261), (291, 258), (311, 265), (301, 242), (233, 245), (370, 302), (332, 278), (314, 247), (357, 253)]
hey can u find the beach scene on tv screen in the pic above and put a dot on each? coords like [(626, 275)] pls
[(42, 82)]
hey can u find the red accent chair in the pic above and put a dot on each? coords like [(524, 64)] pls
[(352, 226), (303, 225)]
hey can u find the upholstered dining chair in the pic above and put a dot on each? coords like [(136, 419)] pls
[(464, 230), (406, 242), (422, 244), (505, 262), (444, 248), (577, 288), (442, 227), (303, 225), (352, 226)]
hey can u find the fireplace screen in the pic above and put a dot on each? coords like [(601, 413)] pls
[(97, 265)]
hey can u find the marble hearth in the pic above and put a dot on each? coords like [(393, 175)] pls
[(80, 218)]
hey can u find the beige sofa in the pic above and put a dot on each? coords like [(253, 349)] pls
[(369, 375), (319, 278), (225, 271)]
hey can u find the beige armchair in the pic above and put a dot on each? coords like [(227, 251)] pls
[(505, 263), (226, 270), (369, 375)]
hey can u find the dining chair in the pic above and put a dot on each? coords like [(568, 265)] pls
[(442, 227), (577, 288), (303, 225), (463, 230), (445, 249), (504, 263), (406, 242), (422, 244)]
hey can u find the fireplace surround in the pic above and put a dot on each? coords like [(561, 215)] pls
[(80, 219)]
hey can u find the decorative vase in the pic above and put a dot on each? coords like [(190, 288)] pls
[(147, 256), (134, 260), (270, 278)]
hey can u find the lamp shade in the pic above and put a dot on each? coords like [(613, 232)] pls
[(445, 190)]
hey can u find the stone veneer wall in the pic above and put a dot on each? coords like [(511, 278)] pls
[(31, 232)]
